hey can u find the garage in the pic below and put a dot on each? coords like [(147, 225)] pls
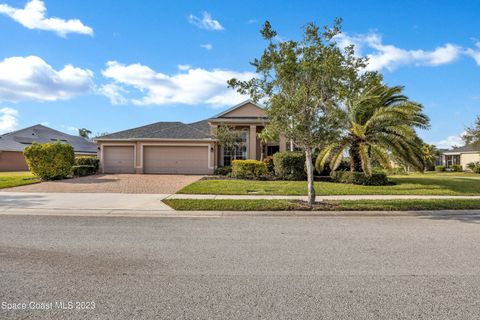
[(176, 159), (118, 159)]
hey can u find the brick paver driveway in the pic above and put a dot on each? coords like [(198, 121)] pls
[(113, 183)]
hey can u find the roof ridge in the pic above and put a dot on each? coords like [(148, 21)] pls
[(156, 131)]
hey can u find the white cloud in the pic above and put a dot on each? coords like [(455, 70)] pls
[(194, 86), (69, 128), (32, 16), (114, 93), (8, 120), (206, 22), (382, 56), (31, 78), (450, 141), (207, 46), (184, 67), (474, 53)]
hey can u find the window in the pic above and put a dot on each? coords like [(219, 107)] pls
[(238, 153)]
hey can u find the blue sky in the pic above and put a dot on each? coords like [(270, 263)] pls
[(111, 65)]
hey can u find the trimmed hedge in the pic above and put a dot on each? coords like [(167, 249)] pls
[(376, 179), (289, 165), (80, 171), (50, 161), (440, 168), (248, 169), (88, 161)]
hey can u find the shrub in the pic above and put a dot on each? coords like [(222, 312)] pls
[(50, 161), (88, 161), (248, 169), (289, 165), (474, 166), (376, 179), (397, 170), (223, 171), (440, 168), (83, 170), (269, 163), (456, 168)]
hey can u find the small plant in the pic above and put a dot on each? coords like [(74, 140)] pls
[(456, 168), (223, 171), (248, 169), (440, 168), (50, 161), (269, 163)]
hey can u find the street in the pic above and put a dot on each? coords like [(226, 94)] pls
[(240, 267)]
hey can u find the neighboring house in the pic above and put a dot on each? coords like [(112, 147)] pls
[(176, 147), (13, 143), (460, 156)]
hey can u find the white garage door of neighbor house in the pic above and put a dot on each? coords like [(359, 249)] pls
[(118, 159), (175, 159)]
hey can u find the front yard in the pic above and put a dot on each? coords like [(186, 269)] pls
[(14, 179), (453, 184)]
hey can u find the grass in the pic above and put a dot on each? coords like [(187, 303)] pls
[(14, 179), (453, 184), (343, 205)]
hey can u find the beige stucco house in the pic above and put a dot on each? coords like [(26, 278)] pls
[(176, 147), (460, 156)]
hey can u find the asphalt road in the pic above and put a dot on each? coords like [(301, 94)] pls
[(240, 267)]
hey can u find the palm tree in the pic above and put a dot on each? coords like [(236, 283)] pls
[(83, 132), (429, 154), (378, 123), (265, 136)]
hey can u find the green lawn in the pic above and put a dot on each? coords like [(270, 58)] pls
[(415, 184), (343, 205), (14, 179)]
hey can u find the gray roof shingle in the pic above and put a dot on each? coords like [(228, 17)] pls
[(164, 130), (19, 140)]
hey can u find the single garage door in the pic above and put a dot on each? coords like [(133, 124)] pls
[(176, 159), (118, 159)]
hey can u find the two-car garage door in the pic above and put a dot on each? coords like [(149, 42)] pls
[(175, 159), (157, 159)]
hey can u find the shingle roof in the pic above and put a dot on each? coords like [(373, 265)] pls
[(467, 148), (19, 140), (165, 130)]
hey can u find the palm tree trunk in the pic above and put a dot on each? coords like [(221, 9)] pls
[(309, 165), (355, 160), (262, 151)]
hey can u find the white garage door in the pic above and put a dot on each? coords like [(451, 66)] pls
[(118, 159), (176, 159)]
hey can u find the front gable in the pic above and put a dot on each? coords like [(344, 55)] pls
[(246, 109)]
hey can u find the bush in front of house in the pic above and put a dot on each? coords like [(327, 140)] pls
[(85, 166), (269, 163), (440, 168), (248, 169), (376, 179), (223, 171), (50, 161), (474, 167), (456, 168), (289, 165)]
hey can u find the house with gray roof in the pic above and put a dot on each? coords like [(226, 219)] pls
[(460, 156), (181, 148), (13, 143)]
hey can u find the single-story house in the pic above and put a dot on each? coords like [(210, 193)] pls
[(460, 156), (180, 148), (13, 143)]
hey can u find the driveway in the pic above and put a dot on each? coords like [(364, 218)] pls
[(242, 268), (112, 183)]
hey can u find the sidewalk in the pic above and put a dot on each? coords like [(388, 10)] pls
[(319, 198)]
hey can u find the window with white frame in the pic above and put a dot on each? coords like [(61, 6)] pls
[(237, 153)]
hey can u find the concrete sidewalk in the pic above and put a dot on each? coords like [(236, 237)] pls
[(319, 198)]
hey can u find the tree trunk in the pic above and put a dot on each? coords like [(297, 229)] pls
[(355, 160), (262, 151), (309, 164), (292, 148)]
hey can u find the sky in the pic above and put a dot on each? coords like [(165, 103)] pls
[(112, 65)]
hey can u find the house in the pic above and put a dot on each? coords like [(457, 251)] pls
[(176, 147), (460, 156), (13, 143)]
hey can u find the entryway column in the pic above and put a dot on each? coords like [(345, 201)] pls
[(252, 143)]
